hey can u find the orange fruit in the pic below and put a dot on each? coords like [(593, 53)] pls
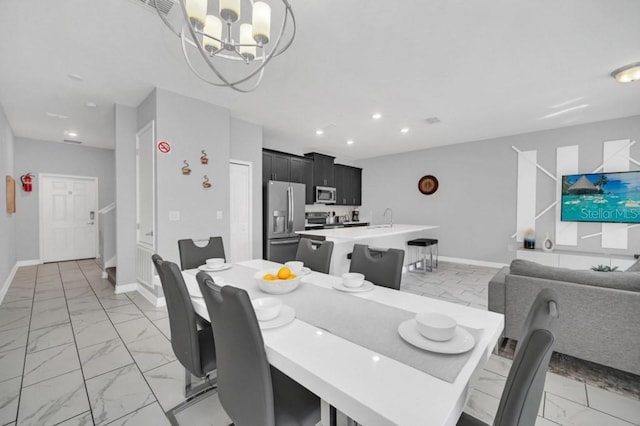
[(284, 273), (269, 277)]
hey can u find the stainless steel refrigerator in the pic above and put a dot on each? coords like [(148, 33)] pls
[(284, 215)]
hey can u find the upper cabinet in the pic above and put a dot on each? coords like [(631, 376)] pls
[(275, 166), (348, 182), (314, 170), (301, 171), (322, 169)]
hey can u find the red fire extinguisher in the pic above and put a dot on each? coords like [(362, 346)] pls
[(27, 182)]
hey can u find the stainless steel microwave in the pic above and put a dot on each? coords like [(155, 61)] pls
[(325, 195)]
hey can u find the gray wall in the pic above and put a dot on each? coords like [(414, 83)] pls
[(475, 205), (190, 126), (36, 157), (7, 220), (125, 133), (246, 145)]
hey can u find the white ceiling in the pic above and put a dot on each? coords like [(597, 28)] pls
[(486, 68)]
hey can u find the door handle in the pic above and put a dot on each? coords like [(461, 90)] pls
[(149, 234), (89, 223), (281, 243)]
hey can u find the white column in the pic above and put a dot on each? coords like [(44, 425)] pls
[(566, 164), (526, 195)]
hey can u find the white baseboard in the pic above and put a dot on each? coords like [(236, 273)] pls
[(30, 262), (7, 282), (154, 300), (472, 262), (126, 288)]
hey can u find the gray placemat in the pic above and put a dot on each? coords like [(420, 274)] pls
[(364, 322), (371, 325)]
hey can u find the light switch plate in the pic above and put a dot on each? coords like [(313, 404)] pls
[(174, 215), (219, 214)]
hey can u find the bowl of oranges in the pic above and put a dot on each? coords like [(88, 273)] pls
[(277, 281)]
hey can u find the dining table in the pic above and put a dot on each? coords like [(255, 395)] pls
[(346, 347)]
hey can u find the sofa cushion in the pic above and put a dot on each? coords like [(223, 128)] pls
[(620, 280), (635, 267)]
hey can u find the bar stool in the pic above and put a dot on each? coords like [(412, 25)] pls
[(425, 243)]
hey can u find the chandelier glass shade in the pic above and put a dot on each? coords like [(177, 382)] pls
[(238, 33)]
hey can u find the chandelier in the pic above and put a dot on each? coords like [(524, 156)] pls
[(224, 39)]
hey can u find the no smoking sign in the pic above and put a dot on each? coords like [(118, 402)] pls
[(164, 147)]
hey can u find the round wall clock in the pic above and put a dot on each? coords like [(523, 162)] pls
[(428, 184)]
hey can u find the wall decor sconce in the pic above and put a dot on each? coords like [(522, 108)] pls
[(205, 183), (185, 169), (203, 158)]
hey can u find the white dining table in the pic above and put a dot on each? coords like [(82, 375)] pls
[(369, 387)]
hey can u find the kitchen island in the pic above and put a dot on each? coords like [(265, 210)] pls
[(376, 236)]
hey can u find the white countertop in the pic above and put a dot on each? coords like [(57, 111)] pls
[(362, 232)]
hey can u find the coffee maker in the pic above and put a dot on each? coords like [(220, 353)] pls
[(355, 215)]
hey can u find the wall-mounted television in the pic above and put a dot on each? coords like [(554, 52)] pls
[(601, 197)]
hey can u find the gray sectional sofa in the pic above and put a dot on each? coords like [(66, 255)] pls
[(599, 311)]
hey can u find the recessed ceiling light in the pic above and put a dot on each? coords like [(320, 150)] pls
[(91, 105), (71, 133), (404, 130), (628, 73), (350, 142), (376, 116), (76, 77), (319, 132)]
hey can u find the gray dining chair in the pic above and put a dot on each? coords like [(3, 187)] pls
[(522, 393), (251, 392), (316, 255), (192, 256), (194, 347), (385, 271)]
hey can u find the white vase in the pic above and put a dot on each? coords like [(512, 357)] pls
[(547, 244)]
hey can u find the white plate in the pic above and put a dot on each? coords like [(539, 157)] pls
[(366, 286), (287, 314), (461, 342), (207, 268)]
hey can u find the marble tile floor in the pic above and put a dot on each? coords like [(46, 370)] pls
[(74, 353), (576, 392)]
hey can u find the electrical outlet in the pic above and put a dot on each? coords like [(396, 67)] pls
[(174, 215), (219, 214)]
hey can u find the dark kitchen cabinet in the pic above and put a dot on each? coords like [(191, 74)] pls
[(348, 181), (301, 171), (275, 166), (322, 169)]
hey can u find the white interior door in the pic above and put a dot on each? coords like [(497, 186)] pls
[(69, 205), (240, 211), (145, 176)]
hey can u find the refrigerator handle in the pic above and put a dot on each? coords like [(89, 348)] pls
[(292, 209)]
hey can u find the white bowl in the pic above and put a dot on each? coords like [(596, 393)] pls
[(435, 326), (295, 266), (267, 308), (215, 261), (276, 286), (352, 279)]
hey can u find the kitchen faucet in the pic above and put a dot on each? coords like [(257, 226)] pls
[(388, 209)]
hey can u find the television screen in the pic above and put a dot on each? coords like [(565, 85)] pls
[(601, 197)]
